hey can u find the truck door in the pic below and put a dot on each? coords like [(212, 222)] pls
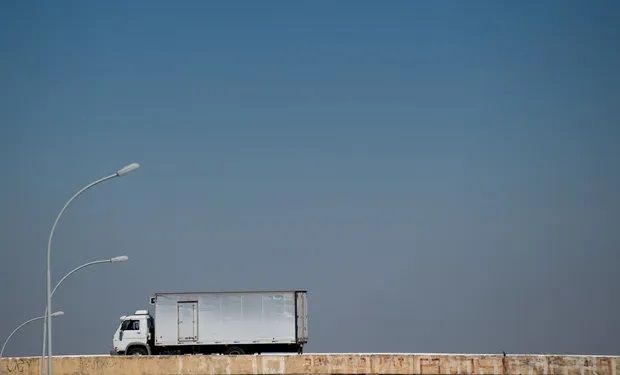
[(187, 321), (132, 330)]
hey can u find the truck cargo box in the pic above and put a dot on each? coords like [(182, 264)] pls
[(226, 318)]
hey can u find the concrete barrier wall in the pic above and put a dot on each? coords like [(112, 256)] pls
[(322, 364)]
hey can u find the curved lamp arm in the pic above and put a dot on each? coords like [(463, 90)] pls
[(121, 258), (77, 269), (57, 313)]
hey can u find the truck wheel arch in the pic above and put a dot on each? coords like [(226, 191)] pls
[(134, 345), (234, 350)]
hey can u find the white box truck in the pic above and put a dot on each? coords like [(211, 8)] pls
[(216, 322)]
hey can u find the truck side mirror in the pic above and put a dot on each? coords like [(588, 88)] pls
[(120, 335)]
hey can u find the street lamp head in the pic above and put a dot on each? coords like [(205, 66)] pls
[(58, 313), (126, 169), (121, 258)]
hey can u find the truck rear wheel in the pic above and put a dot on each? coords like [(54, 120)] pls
[(234, 350), (137, 351)]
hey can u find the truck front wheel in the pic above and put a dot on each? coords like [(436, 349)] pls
[(234, 350), (137, 351)]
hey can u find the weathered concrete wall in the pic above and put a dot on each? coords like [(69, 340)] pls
[(322, 364)]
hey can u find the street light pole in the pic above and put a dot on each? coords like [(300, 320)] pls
[(121, 258), (121, 172), (57, 313)]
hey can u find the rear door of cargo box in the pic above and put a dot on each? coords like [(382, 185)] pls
[(302, 316)]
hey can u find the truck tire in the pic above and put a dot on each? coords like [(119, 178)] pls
[(234, 350), (138, 350)]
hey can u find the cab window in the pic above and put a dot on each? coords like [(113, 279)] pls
[(130, 325)]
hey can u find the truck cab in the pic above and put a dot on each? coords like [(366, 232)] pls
[(134, 335)]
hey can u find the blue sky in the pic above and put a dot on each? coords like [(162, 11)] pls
[(441, 176)]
